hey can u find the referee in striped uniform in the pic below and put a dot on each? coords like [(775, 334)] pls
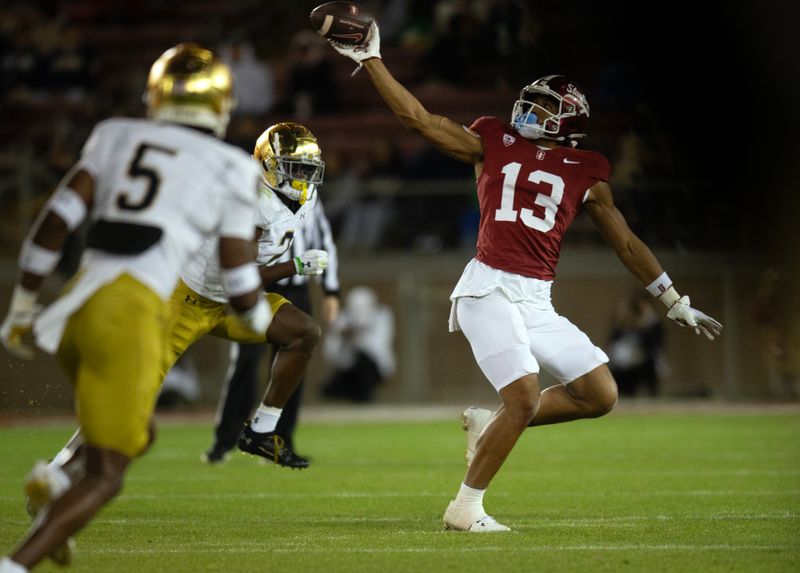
[(240, 392)]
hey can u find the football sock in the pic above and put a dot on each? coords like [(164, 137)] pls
[(60, 479), (9, 566), (266, 419), (470, 498)]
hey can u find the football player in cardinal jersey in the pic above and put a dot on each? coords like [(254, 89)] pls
[(532, 181), (137, 182)]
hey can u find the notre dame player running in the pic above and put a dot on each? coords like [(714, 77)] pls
[(139, 183), (292, 170)]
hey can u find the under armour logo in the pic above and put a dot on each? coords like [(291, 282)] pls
[(508, 139), (190, 299)]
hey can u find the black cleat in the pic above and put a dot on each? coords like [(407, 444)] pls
[(269, 446), (216, 454), (296, 461)]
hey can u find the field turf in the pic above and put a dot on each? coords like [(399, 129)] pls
[(630, 492)]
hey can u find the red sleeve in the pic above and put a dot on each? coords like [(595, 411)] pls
[(600, 167), (485, 124)]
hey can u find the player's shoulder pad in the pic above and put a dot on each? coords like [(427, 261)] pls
[(595, 160), (486, 123), (114, 124)]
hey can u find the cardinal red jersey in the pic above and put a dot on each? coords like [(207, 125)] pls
[(528, 197)]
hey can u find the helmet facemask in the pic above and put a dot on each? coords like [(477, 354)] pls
[(296, 178), (532, 121)]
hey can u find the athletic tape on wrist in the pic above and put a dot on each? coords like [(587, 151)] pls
[(670, 297), (660, 285), (37, 260), (241, 280), (70, 206), (23, 300)]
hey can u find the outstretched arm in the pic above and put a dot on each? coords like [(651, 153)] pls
[(640, 261), (634, 254), (448, 136)]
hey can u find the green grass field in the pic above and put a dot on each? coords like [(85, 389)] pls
[(662, 492)]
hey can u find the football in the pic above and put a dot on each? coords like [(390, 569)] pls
[(343, 22)]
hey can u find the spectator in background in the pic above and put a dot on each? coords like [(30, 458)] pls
[(637, 342), (369, 209), (777, 312), (515, 34), (359, 345), (66, 65), (255, 85), (181, 385), (644, 160), (457, 46), (312, 89)]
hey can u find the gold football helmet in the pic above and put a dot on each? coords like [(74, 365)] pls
[(188, 84), (291, 160)]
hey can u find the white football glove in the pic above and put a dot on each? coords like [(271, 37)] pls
[(371, 48), (311, 263), (19, 322), (683, 314)]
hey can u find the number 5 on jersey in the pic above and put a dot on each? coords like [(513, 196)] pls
[(139, 169)]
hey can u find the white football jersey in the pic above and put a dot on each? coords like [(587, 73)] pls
[(161, 190), (278, 225)]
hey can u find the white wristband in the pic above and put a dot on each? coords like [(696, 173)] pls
[(37, 260), (23, 300), (241, 280), (70, 206), (660, 285)]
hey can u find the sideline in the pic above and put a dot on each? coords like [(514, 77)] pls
[(341, 413)]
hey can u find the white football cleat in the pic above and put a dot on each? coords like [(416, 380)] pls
[(41, 488), (474, 421), (459, 519)]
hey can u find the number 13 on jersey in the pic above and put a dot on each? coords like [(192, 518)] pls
[(550, 202)]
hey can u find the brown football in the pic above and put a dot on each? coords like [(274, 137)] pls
[(342, 22)]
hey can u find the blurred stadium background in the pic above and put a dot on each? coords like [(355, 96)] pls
[(696, 111)]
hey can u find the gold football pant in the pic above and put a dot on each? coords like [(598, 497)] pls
[(112, 349), (196, 316)]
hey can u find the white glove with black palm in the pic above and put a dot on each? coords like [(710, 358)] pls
[(683, 314), (370, 48), (311, 263)]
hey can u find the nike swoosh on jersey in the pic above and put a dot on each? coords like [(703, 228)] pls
[(571, 162)]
